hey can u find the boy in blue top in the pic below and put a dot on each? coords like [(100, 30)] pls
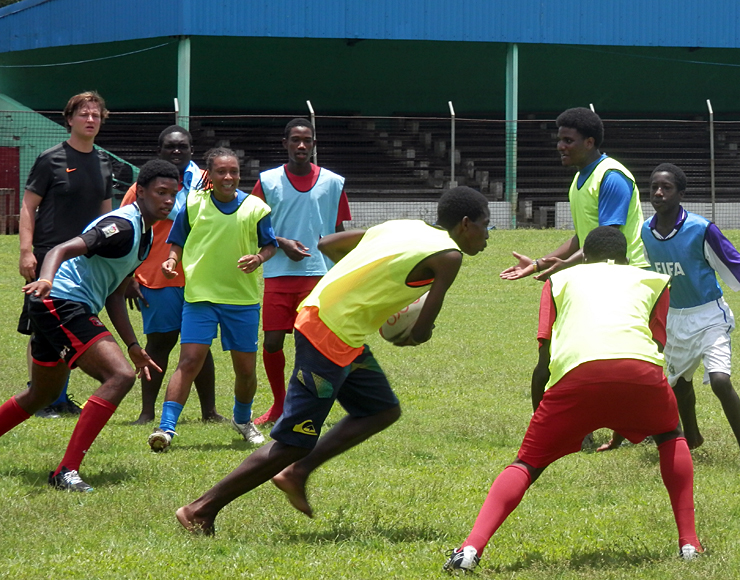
[(221, 235), (77, 279), (692, 249)]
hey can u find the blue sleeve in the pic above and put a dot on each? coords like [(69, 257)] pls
[(265, 233), (615, 194), (180, 229)]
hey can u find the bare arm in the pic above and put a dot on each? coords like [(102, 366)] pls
[(251, 262), (66, 251), (106, 206), (566, 255), (294, 249), (26, 228), (337, 246), (444, 268), (115, 305), (169, 265)]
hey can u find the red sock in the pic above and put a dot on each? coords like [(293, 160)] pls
[(275, 369), (505, 494), (11, 415), (677, 470), (94, 416)]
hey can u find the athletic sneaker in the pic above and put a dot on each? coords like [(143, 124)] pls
[(689, 552), (250, 433), (160, 440), (47, 413), (68, 480), (70, 406), (465, 559)]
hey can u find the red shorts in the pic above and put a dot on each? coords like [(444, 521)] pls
[(281, 300), (62, 330), (639, 404)]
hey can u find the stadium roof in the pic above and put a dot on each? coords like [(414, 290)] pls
[(32, 24)]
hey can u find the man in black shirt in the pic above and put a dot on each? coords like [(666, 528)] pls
[(69, 186)]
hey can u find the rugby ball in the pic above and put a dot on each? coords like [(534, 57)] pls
[(398, 327)]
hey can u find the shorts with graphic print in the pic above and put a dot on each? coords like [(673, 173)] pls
[(62, 330), (361, 388)]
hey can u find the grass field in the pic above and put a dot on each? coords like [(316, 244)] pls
[(387, 509)]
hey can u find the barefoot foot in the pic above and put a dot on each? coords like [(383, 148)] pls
[(295, 490), (143, 420), (695, 442), (214, 418), (193, 524)]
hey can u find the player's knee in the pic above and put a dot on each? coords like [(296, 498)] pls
[(392, 415), (721, 384), (273, 342)]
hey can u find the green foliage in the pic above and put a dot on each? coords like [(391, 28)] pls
[(390, 507)]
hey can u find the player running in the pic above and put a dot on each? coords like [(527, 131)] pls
[(377, 273)]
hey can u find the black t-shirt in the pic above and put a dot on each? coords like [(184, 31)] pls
[(73, 186), (112, 237)]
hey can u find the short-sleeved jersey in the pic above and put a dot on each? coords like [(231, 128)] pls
[(73, 186), (114, 252), (691, 254)]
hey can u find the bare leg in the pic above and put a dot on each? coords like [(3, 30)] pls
[(256, 469), (722, 387), (205, 385), (159, 345), (686, 399), (192, 356), (349, 432), (245, 384), (46, 385)]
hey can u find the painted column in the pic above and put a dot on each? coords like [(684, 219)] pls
[(183, 82), (512, 111)]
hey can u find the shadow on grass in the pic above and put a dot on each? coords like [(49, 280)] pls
[(236, 444), (587, 560), (39, 479), (339, 532)]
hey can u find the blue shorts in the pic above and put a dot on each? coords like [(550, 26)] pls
[(164, 313), (361, 388), (239, 325)]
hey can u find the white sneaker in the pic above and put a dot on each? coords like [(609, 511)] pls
[(689, 552), (160, 440), (250, 433)]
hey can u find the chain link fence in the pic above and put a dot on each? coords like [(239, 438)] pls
[(398, 166)]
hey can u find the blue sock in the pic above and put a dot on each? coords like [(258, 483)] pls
[(63, 396), (170, 415), (242, 411)]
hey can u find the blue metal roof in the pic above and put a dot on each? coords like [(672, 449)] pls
[(684, 23)]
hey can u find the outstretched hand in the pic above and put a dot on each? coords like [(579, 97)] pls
[(522, 269), (143, 362)]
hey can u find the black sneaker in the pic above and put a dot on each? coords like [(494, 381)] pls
[(68, 480), (465, 559), (70, 406), (48, 413)]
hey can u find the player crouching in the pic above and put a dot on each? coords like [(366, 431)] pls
[(77, 279), (594, 368)]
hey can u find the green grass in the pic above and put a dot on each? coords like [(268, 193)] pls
[(390, 507)]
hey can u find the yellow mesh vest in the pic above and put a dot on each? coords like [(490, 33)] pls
[(214, 245), (584, 207), (603, 313), (369, 284)]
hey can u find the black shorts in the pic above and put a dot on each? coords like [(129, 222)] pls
[(24, 322), (361, 388), (62, 330)]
